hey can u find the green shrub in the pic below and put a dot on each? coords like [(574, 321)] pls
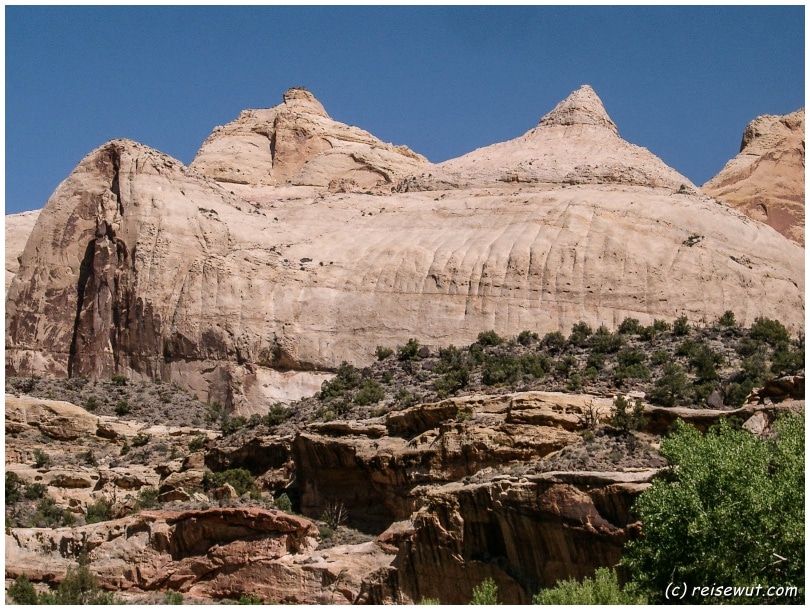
[(672, 388), (147, 498), (13, 484), (283, 503), (197, 443), (277, 414), (22, 592), (630, 326), (238, 478), (579, 333), (347, 378), (383, 352), (727, 319), (122, 408), (704, 361), (660, 357), (79, 587), (603, 589), (527, 337), (249, 600), (141, 439), (91, 404), (489, 338), (429, 601), (772, 332), (41, 459), (485, 594), (730, 510), (48, 514), (566, 365), (370, 393), (409, 351), (605, 342), (681, 326), (119, 380), (230, 424), (98, 511), (625, 418), (35, 491), (555, 341), (125, 448), (173, 598)]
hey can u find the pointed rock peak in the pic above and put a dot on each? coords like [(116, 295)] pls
[(299, 99), (582, 107)]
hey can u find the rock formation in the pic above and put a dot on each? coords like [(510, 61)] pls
[(18, 229), (766, 180), (293, 243)]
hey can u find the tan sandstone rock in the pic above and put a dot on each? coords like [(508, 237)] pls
[(766, 179), (245, 293), (18, 229)]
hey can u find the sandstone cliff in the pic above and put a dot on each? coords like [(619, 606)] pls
[(18, 229), (293, 243), (766, 180)]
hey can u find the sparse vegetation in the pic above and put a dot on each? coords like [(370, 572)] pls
[(603, 589), (485, 594)]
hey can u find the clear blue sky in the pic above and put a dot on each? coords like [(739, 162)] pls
[(680, 81)]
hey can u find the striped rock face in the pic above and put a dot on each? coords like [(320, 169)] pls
[(293, 243)]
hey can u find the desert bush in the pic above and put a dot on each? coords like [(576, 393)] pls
[(681, 326), (603, 589), (770, 332), (485, 594), (48, 514), (98, 511), (730, 509), (409, 351), (727, 319), (334, 514), (230, 424), (283, 503), (579, 333), (91, 404), (141, 439), (605, 342), (197, 443), (629, 326), (489, 338), (624, 417), (527, 337), (122, 408), (704, 362), (238, 478), (41, 459), (672, 388), (35, 491), (118, 380), (383, 352), (277, 414), (147, 498), (370, 393), (22, 592), (347, 378), (13, 485), (173, 598), (555, 341)]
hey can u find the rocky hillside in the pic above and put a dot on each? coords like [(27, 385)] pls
[(766, 180), (293, 243), (415, 478)]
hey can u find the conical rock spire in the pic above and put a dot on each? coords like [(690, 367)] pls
[(582, 107)]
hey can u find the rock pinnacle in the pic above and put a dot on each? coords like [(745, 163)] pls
[(582, 107)]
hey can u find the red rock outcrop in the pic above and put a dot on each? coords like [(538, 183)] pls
[(766, 179)]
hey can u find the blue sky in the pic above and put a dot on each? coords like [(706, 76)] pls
[(680, 81)]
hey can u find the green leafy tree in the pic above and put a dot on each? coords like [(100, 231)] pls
[(603, 589), (730, 510), (485, 594)]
